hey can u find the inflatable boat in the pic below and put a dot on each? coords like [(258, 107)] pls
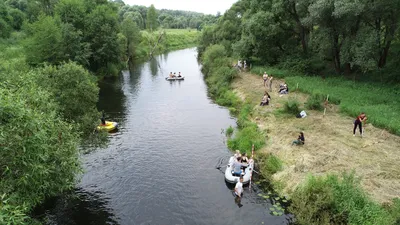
[(174, 78), (109, 126), (247, 173)]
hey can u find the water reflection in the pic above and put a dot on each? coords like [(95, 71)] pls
[(78, 208), (153, 64)]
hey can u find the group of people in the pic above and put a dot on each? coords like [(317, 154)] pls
[(242, 65), (173, 75), (267, 81), (239, 162)]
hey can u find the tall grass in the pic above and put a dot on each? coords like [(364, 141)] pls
[(380, 102), (337, 200), (219, 75)]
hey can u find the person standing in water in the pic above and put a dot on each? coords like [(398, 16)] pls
[(103, 119), (358, 122), (239, 188)]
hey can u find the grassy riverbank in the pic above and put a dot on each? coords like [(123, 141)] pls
[(310, 175), (381, 102), (173, 39)]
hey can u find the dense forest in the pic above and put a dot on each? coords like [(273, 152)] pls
[(52, 53), (313, 36)]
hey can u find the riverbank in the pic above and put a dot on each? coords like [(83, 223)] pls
[(330, 146)]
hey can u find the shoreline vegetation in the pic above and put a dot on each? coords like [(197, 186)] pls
[(52, 55), (334, 177)]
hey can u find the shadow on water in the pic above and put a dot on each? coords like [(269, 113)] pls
[(76, 208)]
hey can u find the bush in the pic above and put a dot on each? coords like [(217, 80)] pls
[(314, 102), (292, 106), (229, 131), (336, 201), (245, 138), (269, 164)]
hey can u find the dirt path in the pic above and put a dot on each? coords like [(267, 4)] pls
[(330, 145)]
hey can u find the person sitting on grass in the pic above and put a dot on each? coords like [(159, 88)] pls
[(265, 100), (300, 140), (284, 89)]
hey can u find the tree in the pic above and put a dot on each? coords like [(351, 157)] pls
[(44, 42), (131, 32), (151, 23), (75, 91), (101, 32)]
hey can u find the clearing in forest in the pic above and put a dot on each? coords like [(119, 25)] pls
[(330, 146)]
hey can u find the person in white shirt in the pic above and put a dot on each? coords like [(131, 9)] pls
[(239, 188)]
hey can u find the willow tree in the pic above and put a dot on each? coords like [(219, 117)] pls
[(151, 23)]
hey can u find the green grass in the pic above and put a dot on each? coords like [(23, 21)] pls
[(338, 200), (380, 102)]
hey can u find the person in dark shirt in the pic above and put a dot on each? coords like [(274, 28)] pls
[(358, 122), (103, 119), (300, 140)]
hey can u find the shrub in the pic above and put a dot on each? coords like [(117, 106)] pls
[(292, 106), (269, 164), (245, 138), (314, 102), (229, 131), (336, 200)]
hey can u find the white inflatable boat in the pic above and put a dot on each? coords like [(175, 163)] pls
[(232, 178), (174, 78)]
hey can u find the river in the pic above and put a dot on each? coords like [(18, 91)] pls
[(160, 167)]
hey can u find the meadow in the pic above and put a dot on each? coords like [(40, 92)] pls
[(381, 102)]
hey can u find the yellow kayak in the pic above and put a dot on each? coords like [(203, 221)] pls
[(109, 126)]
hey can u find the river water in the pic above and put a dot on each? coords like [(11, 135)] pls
[(160, 167)]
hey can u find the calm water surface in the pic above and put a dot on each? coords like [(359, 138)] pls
[(160, 167)]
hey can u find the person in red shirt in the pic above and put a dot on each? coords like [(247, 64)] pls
[(358, 122)]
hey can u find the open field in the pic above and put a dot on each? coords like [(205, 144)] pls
[(330, 146)]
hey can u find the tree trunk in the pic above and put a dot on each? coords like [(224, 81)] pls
[(336, 52), (390, 32)]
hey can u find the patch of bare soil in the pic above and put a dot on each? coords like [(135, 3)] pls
[(329, 147)]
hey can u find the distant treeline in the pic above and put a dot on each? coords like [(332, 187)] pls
[(100, 35), (314, 36), (173, 19)]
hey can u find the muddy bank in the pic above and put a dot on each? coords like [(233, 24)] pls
[(330, 146)]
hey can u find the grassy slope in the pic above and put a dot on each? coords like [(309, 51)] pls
[(330, 145), (380, 102)]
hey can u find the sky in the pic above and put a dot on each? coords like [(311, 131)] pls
[(202, 6)]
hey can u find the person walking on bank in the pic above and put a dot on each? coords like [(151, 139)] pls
[(270, 82), (265, 78), (358, 122)]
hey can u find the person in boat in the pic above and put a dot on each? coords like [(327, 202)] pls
[(300, 140), (237, 167), (103, 119), (179, 74), (265, 100), (174, 74), (244, 161), (237, 154), (171, 75), (239, 188)]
